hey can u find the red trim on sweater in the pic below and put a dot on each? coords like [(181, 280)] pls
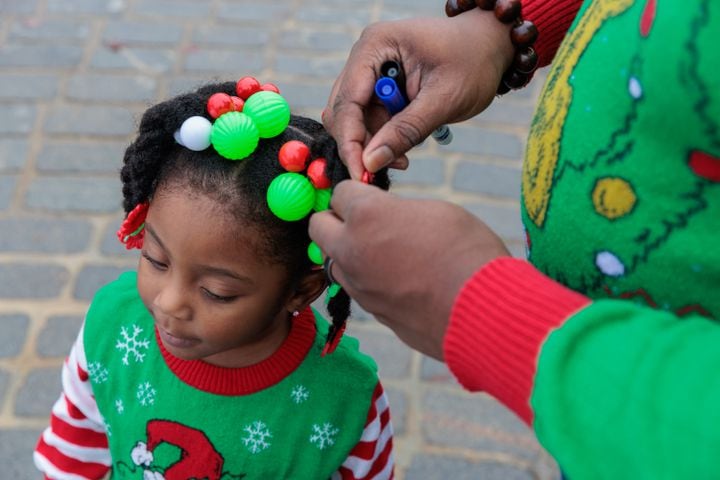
[(498, 325), (553, 19), (243, 381)]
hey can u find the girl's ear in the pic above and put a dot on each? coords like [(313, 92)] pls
[(310, 286)]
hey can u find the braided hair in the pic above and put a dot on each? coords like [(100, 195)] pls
[(155, 159)]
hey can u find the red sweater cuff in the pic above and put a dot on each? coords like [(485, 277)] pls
[(553, 19), (498, 324)]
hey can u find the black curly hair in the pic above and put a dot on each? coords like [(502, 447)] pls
[(155, 159)]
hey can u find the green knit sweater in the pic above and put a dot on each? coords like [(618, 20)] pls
[(295, 415)]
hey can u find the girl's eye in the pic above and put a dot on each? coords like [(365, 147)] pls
[(218, 298), (157, 265)]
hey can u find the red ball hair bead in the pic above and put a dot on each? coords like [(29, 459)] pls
[(238, 103), (317, 173), (219, 103), (246, 86), (293, 156), (270, 87)]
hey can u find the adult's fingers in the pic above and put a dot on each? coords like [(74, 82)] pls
[(326, 229), (348, 194)]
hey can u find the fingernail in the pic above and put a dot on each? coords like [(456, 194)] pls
[(378, 158)]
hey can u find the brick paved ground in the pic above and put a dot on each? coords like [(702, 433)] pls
[(74, 77)]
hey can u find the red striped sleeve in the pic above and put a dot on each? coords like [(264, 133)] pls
[(372, 457), (58, 465)]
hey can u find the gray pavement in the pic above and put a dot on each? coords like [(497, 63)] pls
[(74, 77)]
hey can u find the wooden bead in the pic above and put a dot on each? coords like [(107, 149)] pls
[(502, 88), (515, 79), (485, 4), (507, 11), (524, 34), (526, 60), (456, 7)]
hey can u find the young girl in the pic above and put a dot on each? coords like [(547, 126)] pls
[(208, 363)]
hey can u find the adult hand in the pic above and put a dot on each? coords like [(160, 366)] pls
[(452, 68), (404, 261)]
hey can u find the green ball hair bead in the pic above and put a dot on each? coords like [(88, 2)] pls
[(270, 112), (291, 196), (315, 253), (322, 199), (234, 135)]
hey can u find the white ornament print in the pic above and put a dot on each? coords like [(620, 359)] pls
[(299, 394), (257, 435), (119, 406), (131, 345), (98, 372), (146, 394), (323, 437)]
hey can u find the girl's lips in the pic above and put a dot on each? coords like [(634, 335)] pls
[(176, 342)]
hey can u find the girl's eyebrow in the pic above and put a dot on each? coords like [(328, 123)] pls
[(204, 268)]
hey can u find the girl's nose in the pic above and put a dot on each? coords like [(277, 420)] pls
[(172, 300)]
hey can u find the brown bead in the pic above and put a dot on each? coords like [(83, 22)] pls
[(456, 7), (524, 34), (515, 79), (485, 4), (502, 88), (507, 11), (526, 60)]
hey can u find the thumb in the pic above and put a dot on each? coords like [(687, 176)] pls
[(402, 132)]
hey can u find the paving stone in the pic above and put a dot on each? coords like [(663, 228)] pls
[(90, 120), (16, 447), (112, 88), (13, 153), (38, 393), (5, 378), (7, 190), (475, 421), (71, 157), (398, 409), (99, 194), (252, 12), (96, 7), (505, 221), (433, 371), (46, 56), (44, 235), (303, 95), (36, 28), (17, 118), (166, 8), (19, 280), (487, 179), (309, 66), (144, 60), (335, 15), (92, 277), (18, 6), (392, 356), (111, 246), (485, 142), (231, 36), (58, 335), (188, 83), (422, 171), (124, 31), (502, 111), (28, 86), (14, 331), (316, 40), (434, 467), (215, 60)]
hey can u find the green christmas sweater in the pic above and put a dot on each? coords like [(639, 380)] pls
[(132, 408), (606, 339)]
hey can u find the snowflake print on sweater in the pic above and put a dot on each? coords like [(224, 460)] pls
[(257, 435), (324, 437), (131, 345)]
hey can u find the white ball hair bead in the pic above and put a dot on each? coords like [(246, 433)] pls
[(195, 133)]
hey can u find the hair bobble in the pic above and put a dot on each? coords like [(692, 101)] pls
[(259, 111), (132, 230)]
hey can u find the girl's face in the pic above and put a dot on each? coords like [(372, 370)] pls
[(202, 280)]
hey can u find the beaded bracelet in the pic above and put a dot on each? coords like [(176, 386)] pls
[(523, 35)]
